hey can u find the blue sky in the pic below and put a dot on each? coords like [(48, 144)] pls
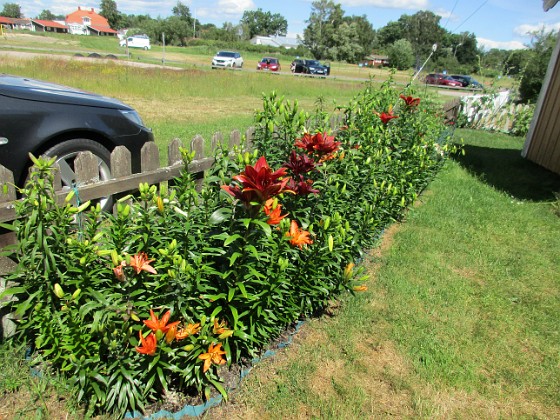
[(496, 23)]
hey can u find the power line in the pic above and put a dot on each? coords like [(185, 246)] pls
[(451, 13), (471, 15)]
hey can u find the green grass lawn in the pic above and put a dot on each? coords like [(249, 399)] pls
[(461, 316)]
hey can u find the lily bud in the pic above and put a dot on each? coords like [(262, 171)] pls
[(331, 243), (58, 291), (188, 347), (225, 334), (76, 293)]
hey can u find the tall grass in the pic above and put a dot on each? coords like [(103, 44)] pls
[(184, 103)]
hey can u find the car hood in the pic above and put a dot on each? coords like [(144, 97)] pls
[(37, 90)]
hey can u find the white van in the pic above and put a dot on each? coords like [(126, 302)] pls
[(137, 41)]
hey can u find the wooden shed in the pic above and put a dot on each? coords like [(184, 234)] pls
[(542, 144)]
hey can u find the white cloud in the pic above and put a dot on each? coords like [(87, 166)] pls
[(234, 7), (525, 30), (488, 44), (395, 4)]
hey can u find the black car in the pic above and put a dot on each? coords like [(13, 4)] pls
[(467, 81), (47, 119), (313, 67)]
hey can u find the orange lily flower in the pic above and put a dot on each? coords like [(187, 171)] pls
[(156, 324), (119, 271), (140, 262), (219, 327), (298, 237), (215, 355), (147, 345), (273, 212), (190, 329)]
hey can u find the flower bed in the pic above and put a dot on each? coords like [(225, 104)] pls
[(183, 282)]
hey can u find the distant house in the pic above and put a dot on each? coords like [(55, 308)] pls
[(22, 24), (6, 22), (276, 41), (542, 145), (85, 21), (374, 60), (48, 26)]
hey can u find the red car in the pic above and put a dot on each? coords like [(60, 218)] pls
[(442, 79), (269, 63)]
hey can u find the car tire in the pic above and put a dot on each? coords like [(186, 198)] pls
[(68, 150)]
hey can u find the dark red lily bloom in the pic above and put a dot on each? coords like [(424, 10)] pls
[(302, 187), (258, 183), (410, 101), (319, 143), (386, 116), (299, 164)]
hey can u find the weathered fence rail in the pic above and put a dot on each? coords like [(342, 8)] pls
[(89, 187)]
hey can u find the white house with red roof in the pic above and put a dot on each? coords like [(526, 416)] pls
[(85, 21)]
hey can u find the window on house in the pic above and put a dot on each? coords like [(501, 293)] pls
[(86, 20)]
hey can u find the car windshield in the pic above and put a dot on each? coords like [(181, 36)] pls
[(226, 54), (313, 62), (269, 60)]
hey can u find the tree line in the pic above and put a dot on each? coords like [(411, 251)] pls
[(330, 34)]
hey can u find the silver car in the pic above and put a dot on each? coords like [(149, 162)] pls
[(227, 59)]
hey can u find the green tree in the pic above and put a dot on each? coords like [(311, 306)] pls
[(46, 15), (532, 78), (12, 10), (183, 12), (345, 44), (258, 22), (108, 9), (401, 55)]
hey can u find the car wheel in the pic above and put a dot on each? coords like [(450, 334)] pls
[(67, 151)]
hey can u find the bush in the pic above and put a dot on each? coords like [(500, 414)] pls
[(182, 283)]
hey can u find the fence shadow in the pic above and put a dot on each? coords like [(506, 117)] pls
[(506, 170)]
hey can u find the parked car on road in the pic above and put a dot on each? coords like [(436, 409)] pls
[(227, 59), (48, 119), (468, 81), (313, 67), (269, 63), (442, 79)]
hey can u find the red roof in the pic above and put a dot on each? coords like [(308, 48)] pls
[(94, 19), (106, 29), (49, 23), (5, 20)]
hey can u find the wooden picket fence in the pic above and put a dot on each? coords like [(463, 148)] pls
[(124, 181)]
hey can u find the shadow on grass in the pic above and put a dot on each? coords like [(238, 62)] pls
[(506, 170)]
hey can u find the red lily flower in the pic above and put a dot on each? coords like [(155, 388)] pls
[(273, 212), (156, 324), (258, 183), (410, 101), (148, 345), (319, 143), (387, 116), (302, 187), (140, 262), (298, 237), (299, 164)]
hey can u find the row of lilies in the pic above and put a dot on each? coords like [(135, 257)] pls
[(183, 283)]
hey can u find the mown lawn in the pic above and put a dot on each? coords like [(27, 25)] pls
[(461, 316)]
